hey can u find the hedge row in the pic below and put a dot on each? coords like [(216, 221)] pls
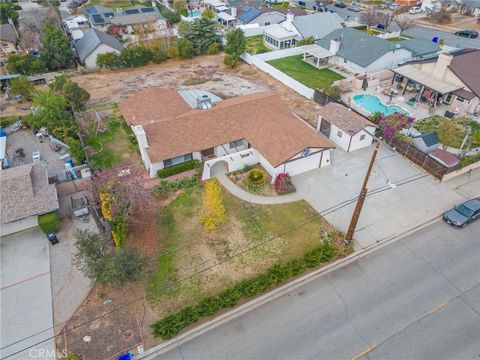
[(171, 325), (177, 169), (49, 222), (165, 186)]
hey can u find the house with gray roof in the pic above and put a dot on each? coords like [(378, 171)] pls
[(426, 142), (153, 24), (421, 48), (361, 53), (8, 39), (96, 42)]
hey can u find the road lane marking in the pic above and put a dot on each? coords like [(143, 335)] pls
[(364, 352), (436, 308)]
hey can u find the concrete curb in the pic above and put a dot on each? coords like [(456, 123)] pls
[(274, 294)]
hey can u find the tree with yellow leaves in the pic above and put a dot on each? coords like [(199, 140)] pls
[(213, 213)]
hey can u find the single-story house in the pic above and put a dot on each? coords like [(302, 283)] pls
[(421, 48), (345, 127), (426, 142), (444, 157), (96, 42), (25, 194), (152, 23), (452, 79), (177, 126), (361, 53), (99, 16), (296, 28), (8, 39)]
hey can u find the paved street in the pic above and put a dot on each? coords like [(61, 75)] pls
[(449, 38), (418, 298)]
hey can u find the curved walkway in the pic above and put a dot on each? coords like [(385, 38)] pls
[(256, 199)]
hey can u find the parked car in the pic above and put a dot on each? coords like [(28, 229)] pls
[(353, 8), (471, 34), (52, 237), (340, 5), (415, 10), (463, 214), (394, 6)]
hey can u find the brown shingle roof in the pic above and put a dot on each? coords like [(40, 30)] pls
[(465, 66), (24, 192), (445, 157), (153, 104), (261, 118), (344, 118)]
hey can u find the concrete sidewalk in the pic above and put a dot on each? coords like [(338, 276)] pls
[(407, 196)]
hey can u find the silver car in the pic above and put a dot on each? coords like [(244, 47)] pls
[(463, 214)]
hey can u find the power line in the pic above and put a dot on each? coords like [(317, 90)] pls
[(307, 220)]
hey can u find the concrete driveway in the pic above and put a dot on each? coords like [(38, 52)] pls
[(408, 196), (25, 294)]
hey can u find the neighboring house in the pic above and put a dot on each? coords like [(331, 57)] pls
[(426, 142), (452, 79), (345, 127), (25, 194), (8, 39), (176, 126), (420, 48), (361, 53), (296, 28), (150, 25), (76, 26), (99, 16), (96, 42)]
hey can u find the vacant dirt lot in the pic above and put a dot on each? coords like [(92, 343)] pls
[(206, 72)]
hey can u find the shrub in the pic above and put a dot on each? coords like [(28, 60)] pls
[(172, 324), (256, 176), (333, 92), (76, 150), (255, 180), (185, 48), (165, 186), (172, 52), (49, 222), (213, 49), (213, 213), (375, 117), (8, 120), (230, 61), (159, 54), (119, 230), (468, 160), (177, 169), (283, 184)]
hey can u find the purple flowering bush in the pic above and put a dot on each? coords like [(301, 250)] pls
[(283, 184), (391, 125)]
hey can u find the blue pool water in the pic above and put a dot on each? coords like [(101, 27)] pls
[(194, 13), (373, 104)]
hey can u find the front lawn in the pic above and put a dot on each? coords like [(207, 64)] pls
[(307, 74), (255, 45), (188, 248)]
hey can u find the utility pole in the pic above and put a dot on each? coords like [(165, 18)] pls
[(361, 198)]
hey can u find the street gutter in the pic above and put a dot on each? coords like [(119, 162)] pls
[(240, 310)]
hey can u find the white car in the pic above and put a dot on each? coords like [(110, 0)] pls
[(415, 10)]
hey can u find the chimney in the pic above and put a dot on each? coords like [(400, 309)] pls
[(141, 136), (289, 22), (234, 11), (334, 46), (443, 61), (319, 122)]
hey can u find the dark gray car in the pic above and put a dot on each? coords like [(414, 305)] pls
[(463, 214)]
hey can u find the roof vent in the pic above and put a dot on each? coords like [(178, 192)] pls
[(204, 102)]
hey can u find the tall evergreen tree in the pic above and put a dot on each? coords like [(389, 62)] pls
[(202, 32), (55, 50)]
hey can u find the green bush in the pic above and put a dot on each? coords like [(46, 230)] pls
[(49, 222), (256, 176), (468, 160), (213, 49), (165, 186), (8, 120), (185, 48), (177, 169), (172, 324)]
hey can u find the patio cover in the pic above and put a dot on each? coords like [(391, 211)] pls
[(225, 16), (415, 74), (317, 51)]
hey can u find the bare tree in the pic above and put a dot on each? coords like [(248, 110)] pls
[(404, 22), (369, 17), (386, 18)]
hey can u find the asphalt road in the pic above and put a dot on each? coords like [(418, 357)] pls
[(418, 298), (449, 38)]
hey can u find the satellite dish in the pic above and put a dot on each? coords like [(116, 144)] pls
[(435, 39)]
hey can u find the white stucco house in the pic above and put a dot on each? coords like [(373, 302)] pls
[(96, 42), (344, 127), (25, 194), (177, 126)]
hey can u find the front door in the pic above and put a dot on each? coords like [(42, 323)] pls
[(208, 153)]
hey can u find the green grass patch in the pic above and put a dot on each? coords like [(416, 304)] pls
[(49, 222), (255, 45), (432, 124), (116, 3), (307, 74), (112, 147)]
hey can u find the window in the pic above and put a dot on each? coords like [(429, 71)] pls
[(236, 144), (177, 160), (267, 23), (460, 99), (362, 137), (339, 134)]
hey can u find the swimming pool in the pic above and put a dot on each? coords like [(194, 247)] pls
[(194, 13), (373, 104)]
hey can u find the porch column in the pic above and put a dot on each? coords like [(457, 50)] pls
[(420, 93), (318, 62), (405, 87), (393, 78), (435, 99)]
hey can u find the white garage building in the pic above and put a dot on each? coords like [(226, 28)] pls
[(344, 127), (25, 194), (177, 126)]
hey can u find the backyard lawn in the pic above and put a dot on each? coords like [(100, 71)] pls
[(112, 145), (305, 73), (116, 3), (255, 45), (456, 138), (188, 248)]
